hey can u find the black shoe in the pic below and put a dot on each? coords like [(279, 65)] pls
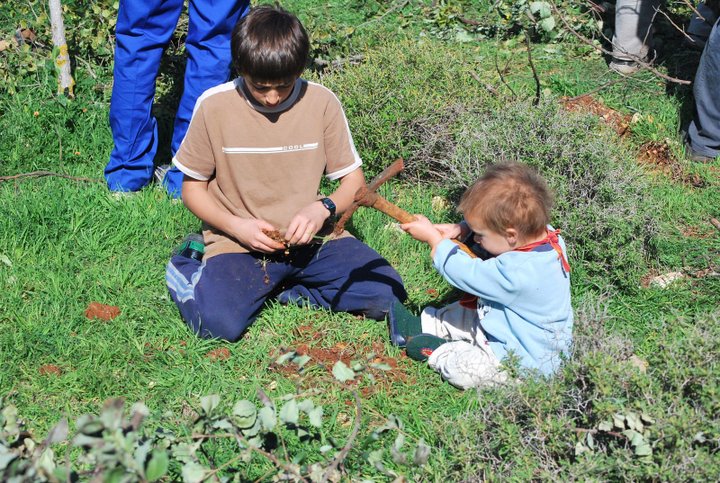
[(192, 246)]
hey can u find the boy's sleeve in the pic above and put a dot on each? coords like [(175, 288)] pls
[(492, 280), (195, 156), (342, 157)]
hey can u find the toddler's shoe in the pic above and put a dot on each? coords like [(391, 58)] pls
[(402, 324), (421, 346), (192, 246)]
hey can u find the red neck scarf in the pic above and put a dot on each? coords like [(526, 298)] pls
[(551, 237)]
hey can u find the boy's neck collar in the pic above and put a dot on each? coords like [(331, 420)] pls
[(283, 106)]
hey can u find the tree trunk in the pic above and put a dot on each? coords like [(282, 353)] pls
[(61, 59)]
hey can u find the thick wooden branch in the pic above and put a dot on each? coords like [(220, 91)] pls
[(61, 58)]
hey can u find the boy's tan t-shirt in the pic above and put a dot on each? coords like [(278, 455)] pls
[(265, 165)]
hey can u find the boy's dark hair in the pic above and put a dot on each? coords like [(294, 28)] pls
[(509, 195), (269, 44)]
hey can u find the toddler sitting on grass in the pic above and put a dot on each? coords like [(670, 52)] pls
[(518, 299)]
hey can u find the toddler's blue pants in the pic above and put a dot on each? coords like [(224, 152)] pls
[(704, 130), (223, 295), (143, 30)]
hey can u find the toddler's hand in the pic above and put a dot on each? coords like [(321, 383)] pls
[(450, 230), (423, 230), (249, 232)]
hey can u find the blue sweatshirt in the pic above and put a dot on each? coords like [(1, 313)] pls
[(526, 299)]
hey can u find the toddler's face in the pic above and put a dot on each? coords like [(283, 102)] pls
[(493, 242), (270, 94)]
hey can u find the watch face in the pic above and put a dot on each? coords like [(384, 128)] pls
[(328, 203)]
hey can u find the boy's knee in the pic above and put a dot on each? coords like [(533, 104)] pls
[(220, 324)]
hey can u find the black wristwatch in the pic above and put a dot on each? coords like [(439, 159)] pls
[(328, 203)]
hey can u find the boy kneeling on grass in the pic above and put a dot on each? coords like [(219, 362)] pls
[(253, 158), (518, 299)]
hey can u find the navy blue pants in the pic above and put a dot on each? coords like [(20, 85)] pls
[(143, 30), (704, 130), (222, 296)]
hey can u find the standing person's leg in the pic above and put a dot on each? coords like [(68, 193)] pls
[(143, 30), (346, 276), (208, 64), (223, 295), (633, 37), (704, 130)]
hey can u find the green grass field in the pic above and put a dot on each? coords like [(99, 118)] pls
[(66, 242)]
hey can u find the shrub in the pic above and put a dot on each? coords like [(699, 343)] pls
[(395, 85), (606, 417)]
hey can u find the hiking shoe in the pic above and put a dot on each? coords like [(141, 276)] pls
[(629, 66), (422, 346), (402, 324), (693, 155), (192, 246)]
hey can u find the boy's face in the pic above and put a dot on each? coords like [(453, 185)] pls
[(493, 242), (270, 94)]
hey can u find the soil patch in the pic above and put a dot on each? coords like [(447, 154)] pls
[(658, 157), (96, 310), (620, 123), (50, 370), (219, 354), (377, 366)]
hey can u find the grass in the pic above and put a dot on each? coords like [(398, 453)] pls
[(66, 243)]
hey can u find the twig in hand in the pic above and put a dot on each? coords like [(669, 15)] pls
[(39, 174)]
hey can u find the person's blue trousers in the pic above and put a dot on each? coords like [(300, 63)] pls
[(143, 30), (223, 295), (704, 130)]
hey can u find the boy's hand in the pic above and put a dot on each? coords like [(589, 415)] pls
[(423, 230), (306, 223), (249, 232)]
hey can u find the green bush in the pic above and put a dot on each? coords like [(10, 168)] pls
[(606, 417), (396, 85)]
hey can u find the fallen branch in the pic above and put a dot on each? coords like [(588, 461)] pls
[(39, 174), (502, 78), (348, 444), (596, 431), (599, 88), (536, 101), (487, 87), (714, 222)]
